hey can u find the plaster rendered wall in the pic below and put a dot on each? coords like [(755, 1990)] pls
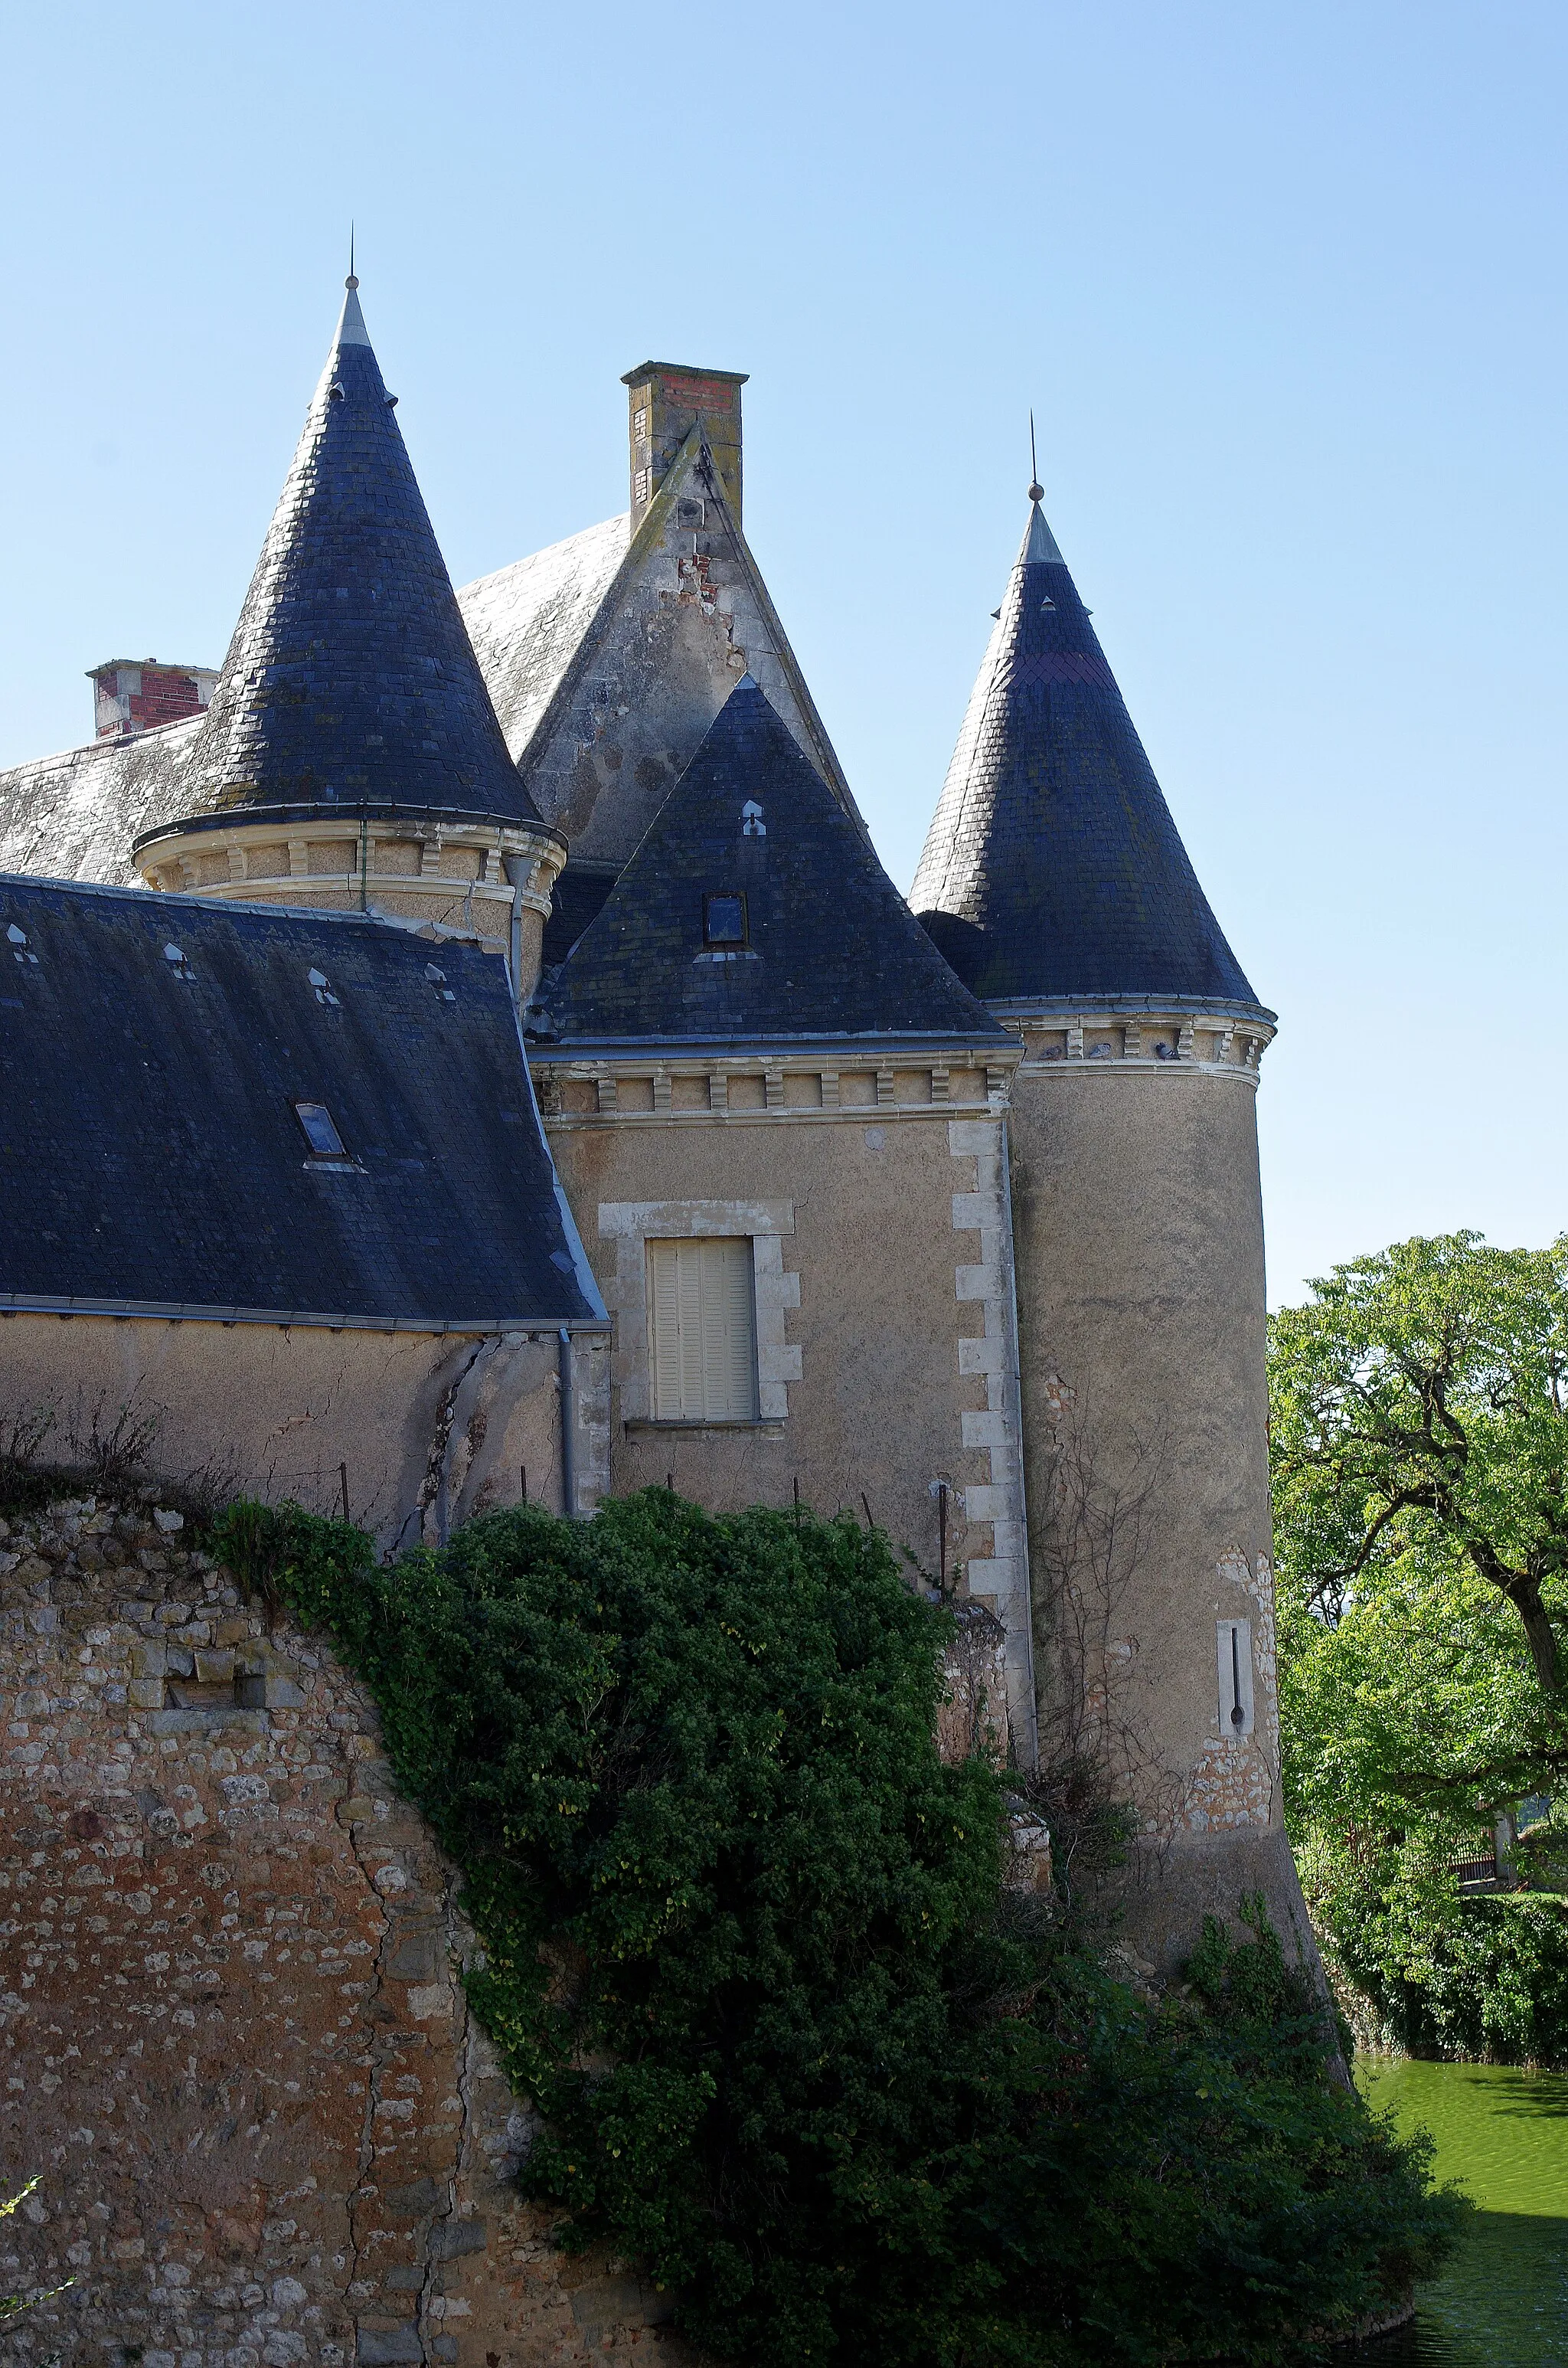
[(234, 2043), (1139, 1236), (431, 1426), (672, 639), (884, 1351)]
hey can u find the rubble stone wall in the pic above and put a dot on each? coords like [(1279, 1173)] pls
[(233, 2044)]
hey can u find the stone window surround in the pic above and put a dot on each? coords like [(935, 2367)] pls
[(631, 1223)]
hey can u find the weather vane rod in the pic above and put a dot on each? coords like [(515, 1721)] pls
[(1037, 491)]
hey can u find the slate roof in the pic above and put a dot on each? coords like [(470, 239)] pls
[(1053, 866), (350, 676), (75, 814), (527, 621), (151, 1155), (831, 951)]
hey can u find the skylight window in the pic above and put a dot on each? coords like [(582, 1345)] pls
[(723, 920), (320, 1130)]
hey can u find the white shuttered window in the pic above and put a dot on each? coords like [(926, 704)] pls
[(701, 1312)]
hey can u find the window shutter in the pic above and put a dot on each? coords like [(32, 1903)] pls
[(737, 1360), (701, 1306), (664, 1265), (689, 1255)]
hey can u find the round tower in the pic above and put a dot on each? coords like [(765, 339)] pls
[(1054, 881), (350, 755)]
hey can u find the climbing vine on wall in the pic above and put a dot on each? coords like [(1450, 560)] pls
[(748, 1945)]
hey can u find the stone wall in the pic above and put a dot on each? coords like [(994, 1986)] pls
[(235, 2049)]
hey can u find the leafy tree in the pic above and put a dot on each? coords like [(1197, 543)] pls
[(749, 1947), (1420, 1449), (1420, 1441)]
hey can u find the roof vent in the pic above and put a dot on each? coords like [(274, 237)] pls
[(317, 978), (173, 955), (19, 941), (437, 979), (752, 824)]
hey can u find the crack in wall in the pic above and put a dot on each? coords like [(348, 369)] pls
[(463, 2057), (431, 1491), (365, 2184)]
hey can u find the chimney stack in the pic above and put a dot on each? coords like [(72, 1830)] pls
[(665, 400), (132, 696)]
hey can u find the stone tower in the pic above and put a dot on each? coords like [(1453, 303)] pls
[(350, 755), (1054, 881)]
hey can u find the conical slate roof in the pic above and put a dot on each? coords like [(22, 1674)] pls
[(753, 909), (1053, 866), (351, 678)]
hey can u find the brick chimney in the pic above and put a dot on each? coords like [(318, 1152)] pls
[(133, 696), (666, 398)]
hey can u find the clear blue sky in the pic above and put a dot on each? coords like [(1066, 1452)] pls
[(1284, 286)]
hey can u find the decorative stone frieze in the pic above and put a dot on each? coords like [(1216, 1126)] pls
[(660, 1090), (1072, 1033), (419, 869)]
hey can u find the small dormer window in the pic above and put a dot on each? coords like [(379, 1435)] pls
[(724, 920), (175, 956), (320, 1130)]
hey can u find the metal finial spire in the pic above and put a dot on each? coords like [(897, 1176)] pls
[(1037, 491), (351, 282)]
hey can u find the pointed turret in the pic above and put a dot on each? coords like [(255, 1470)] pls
[(1054, 881), (1053, 866), (350, 740), (752, 910), (350, 676)]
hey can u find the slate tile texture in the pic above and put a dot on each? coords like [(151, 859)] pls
[(828, 947), (149, 1145), (1052, 865), (350, 674)]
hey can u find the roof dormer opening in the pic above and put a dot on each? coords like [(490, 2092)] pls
[(320, 1130), (724, 920)]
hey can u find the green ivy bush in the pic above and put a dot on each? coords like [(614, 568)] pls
[(1483, 1978), (748, 1945)]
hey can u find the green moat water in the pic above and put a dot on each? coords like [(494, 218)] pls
[(1503, 2136)]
